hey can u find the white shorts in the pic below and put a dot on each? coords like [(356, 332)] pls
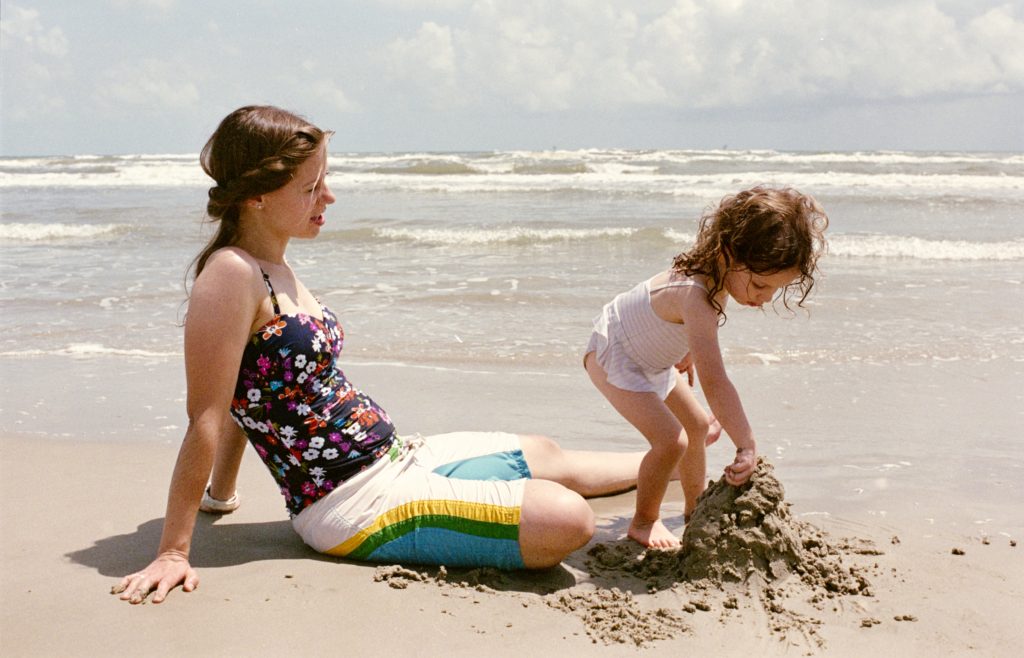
[(622, 369), (451, 499)]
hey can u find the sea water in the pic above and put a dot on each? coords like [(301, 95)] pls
[(909, 356)]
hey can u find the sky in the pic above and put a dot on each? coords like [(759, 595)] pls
[(156, 76)]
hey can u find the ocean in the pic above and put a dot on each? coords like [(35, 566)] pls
[(899, 385)]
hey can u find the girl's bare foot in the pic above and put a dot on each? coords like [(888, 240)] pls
[(652, 535)]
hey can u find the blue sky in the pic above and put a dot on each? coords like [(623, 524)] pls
[(155, 76)]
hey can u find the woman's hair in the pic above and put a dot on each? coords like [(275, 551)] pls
[(255, 150), (764, 230)]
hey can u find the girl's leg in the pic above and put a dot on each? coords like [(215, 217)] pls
[(226, 461), (650, 415), (692, 469)]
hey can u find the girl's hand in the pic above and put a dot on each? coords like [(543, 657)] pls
[(164, 573), (740, 470), (686, 365)]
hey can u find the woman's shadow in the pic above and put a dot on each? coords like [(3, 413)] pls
[(213, 545), (231, 544)]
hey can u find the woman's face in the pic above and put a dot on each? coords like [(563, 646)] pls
[(752, 289), (297, 208)]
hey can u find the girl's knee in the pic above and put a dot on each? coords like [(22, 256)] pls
[(697, 428), (671, 449)]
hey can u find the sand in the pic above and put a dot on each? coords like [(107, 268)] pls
[(92, 511)]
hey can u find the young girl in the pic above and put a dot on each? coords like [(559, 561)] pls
[(750, 247)]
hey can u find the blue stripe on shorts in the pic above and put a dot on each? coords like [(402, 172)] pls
[(509, 465), (451, 548)]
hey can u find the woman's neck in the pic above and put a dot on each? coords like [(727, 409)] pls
[(261, 245)]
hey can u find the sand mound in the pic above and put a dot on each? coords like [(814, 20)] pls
[(743, 548), (737, 533)]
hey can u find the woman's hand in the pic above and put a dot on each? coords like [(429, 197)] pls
[(167, 571), (740, 470)]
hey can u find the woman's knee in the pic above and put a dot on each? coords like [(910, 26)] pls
[(544, 457), (538, 446), (554, 521)]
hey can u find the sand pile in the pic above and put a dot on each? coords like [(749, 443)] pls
[(743, 549), (737, 533)]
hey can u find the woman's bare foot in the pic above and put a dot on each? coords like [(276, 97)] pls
[(652, 535)]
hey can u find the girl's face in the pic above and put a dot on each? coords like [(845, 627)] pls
[(297, 208), (752, 289)]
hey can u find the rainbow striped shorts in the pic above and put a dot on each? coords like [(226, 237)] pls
[(451, 499)]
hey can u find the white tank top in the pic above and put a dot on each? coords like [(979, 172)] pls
[(651, 341)]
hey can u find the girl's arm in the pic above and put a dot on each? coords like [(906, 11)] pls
[(724, 400), (221, 310)]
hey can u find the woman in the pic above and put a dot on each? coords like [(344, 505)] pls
[(261, 351)]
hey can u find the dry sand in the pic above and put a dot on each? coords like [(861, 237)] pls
[(754, 580)]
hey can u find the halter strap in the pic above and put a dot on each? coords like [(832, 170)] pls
[(270, 289)]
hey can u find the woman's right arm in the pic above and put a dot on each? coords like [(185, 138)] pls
[(221, 310)]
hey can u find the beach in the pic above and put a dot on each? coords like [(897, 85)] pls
[(99, 514), (891, 407)]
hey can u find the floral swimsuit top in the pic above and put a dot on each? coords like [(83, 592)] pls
[(311, 427)]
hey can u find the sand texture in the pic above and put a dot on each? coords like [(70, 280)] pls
[(763, 582)]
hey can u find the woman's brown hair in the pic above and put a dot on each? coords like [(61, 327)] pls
[(255, 150)]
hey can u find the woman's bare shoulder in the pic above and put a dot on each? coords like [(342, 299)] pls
[(228, 271)]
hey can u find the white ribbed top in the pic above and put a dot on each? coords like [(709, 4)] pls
[(651, 341)]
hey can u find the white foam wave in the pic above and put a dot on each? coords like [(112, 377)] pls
[(103, 171), (712, 185), (505, 161), (88, 350), (882, 246), (19, 232), (497, 236), (677, 173)]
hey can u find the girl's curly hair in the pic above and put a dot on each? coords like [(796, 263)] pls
[(764, 230)]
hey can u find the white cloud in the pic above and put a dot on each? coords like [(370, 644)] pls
[(35, 65), (151, 83), (22, 28), (332, 94), (160, 5), (547, 55), (424, 4), (426, 63)]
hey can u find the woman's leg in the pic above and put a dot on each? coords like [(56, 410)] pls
[(650, 415), (424, 508), (554, 522), (588, 473)]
